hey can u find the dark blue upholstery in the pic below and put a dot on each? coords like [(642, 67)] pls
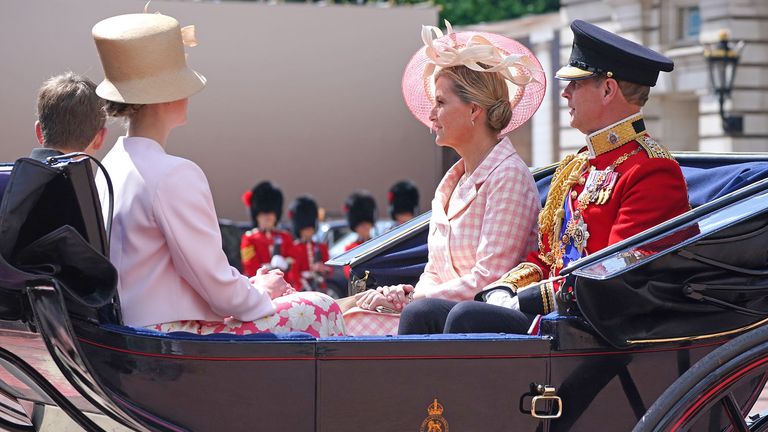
[(433, 337), (140, 331), (5, 175), (404, 263), (706, 184), (707, 181)]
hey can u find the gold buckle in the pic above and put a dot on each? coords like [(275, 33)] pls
[(546, 395), (359, 285)]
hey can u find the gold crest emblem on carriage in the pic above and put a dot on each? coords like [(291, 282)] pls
[(435, 422)]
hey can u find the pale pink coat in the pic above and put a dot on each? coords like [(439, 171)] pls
[(479, 230), (483, 229), (166, 242)]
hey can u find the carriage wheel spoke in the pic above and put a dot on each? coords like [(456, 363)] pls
[(731, 407)]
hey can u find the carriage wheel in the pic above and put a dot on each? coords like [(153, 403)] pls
[(717, 393)]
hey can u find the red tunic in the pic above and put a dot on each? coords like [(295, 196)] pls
[(648, 192), (304, 255), (257, 248), (354, 244)]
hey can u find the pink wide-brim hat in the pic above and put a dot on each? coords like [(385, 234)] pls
[(144, 60), (521, 69)]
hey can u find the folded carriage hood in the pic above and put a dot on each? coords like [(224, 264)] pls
[(701, 275)]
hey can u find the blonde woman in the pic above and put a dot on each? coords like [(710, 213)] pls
[(171, 277), (470, 89)]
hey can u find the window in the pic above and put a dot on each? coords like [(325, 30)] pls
[(689, 23)]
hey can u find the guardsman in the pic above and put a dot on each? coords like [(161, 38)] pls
[(265, 245), (403, 200), (620, 184), (309, 257), (360, 208)]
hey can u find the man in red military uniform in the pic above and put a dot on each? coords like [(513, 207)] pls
[(622, 183), (265, 245), (308, 270)]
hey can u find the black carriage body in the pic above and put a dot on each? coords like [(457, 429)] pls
[(483, 382), (145, 380)]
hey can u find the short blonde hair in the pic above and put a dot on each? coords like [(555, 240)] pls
[(486, 89)]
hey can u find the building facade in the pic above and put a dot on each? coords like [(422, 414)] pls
[(683, 112)]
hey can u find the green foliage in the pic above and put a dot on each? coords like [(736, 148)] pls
[(463, 12)]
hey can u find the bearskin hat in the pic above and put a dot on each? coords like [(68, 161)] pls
[(303, 213), (403, 198), (265, 197), (360, 207)]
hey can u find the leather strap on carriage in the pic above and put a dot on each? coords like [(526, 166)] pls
[(110, 190), (695, 292), (720, 264)]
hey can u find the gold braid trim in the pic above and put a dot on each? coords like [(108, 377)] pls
[(524, 274), (551, 216), (654, 149), (544, 303)]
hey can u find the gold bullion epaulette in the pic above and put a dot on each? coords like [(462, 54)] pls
[(653, 148)]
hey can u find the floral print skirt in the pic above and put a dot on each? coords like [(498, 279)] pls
[(309, 312)]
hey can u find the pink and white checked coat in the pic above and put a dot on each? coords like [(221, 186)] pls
[(480, 228)]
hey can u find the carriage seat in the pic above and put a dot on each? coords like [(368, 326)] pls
[(222, 337), (5, 175), (707, 180)]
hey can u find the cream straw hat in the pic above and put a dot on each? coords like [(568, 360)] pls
[(143, 59)]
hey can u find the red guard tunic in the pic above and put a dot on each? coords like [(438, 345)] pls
[(257, 248), (625, 184), (354, 244), (304, 255)]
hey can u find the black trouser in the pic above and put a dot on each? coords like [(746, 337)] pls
[(428, 316)]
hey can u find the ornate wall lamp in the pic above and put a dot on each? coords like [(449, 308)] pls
[(722, 58)]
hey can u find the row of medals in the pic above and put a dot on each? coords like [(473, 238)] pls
[(597, 190)]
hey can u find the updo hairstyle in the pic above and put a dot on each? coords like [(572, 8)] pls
[(120, 109), (486, 89)]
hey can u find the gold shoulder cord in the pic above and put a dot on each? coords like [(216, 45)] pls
[(551, 216)]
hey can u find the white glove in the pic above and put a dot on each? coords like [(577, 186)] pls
[(503, 298), (279, 262)]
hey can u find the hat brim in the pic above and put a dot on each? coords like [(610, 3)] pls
[(169, 87), (572, 73), (418, 90)]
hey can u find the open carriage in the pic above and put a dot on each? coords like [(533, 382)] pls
[(667, 333)]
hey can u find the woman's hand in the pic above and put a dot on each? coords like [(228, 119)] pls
[(272, 281), (397, 295), (371, 299)]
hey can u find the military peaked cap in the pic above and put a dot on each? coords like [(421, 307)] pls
[(597, 51)]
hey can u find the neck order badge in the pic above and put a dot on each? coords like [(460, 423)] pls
[(434, 421)]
